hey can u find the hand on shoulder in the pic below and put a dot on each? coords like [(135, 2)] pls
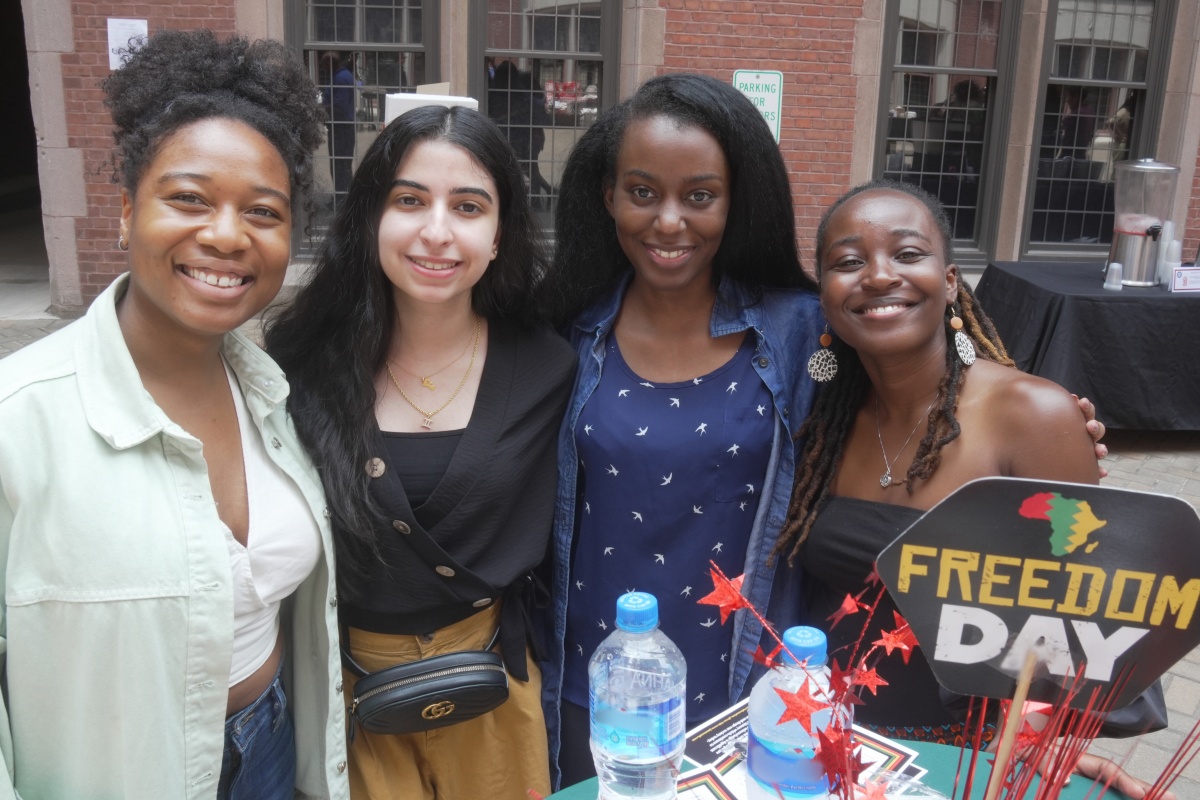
[(1038, 426)]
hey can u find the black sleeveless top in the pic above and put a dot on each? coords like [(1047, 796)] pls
[(837, 557)]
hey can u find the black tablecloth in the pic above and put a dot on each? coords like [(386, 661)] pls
[(1135, 353)]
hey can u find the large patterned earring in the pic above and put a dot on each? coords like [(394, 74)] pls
[(822, 365), (962, 342)]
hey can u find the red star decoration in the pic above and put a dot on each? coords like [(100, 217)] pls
[(873, 792), (839, 679), (726, 594), (799, 705), (833, 752), (873, 579), (894, 640), (857, 765), (870, 679), (1027, 737), (906, 631), (767, 660), (849, 606)]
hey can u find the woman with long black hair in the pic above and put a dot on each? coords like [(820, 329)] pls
[(429, 395)]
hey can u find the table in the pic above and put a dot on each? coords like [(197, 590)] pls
[(1135, 353), (942, 762)]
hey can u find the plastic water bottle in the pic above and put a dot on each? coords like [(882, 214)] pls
[(781, 756), (637, 696)]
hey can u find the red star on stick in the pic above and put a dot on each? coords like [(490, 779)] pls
[(870, 679), (857, 765), (799, 705), (873, 579), (873, 792), (767, 660), (894, 640), (833, 752), (839, 679), (905, 630), (849, 606), (726, 594), (840, 683)]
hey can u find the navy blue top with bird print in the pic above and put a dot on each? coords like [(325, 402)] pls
[(670, 477)]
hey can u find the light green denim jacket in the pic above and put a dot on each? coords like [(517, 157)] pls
[(117, 621)]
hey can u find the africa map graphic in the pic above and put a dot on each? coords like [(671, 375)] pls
[(1071, 521)]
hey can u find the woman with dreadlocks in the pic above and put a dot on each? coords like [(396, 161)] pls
[(907, 335)]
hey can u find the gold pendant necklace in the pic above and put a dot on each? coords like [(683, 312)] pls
[(427, 416), (426, 380)]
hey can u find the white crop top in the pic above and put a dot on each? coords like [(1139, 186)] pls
[(282, 548)]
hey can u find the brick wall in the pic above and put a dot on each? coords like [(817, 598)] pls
[(89, 126), (812, 44), (1191, 240)]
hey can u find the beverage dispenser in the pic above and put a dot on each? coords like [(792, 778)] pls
[(1142, 215)]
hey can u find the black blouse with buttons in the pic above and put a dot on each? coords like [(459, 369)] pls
[(469, 529)]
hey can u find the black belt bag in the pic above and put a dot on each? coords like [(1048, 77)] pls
[(427, 694)]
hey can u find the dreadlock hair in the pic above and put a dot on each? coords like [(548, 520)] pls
[(175, 78), (758, 247), (828, 425)]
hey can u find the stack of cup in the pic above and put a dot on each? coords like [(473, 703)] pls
[(1112, 280)]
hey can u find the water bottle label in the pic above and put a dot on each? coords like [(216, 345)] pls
[(646, 731), (787, 771)]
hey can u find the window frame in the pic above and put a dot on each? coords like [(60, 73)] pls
[(977, 252), (609, 57), (306, 239), (1143, 142)]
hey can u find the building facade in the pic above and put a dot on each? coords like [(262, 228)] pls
[(1013, 112)]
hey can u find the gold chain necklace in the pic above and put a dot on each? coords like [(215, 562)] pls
[(425, 379), (427, 416)]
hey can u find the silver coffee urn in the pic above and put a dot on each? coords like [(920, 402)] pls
[(1142, 224)]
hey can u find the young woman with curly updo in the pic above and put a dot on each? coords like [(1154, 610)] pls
[(167, 598), (910, 416)]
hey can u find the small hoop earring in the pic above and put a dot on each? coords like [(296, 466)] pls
[(822, 365), (962, 342), (121, 243)]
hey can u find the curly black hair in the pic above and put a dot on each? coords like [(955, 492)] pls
[(174, 78), (758, 247)]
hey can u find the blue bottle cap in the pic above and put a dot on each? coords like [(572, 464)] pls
[(637, 612), (804, 642)]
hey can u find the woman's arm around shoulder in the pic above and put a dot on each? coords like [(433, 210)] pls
[(1037, 426)]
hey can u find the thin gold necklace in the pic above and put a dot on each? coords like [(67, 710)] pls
[(425, 379), (885, 480), (427, 416)]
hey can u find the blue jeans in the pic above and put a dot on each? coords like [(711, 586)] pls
[(260, 750)]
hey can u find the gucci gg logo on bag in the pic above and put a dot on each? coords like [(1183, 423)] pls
[(427, 694), (442, 708)]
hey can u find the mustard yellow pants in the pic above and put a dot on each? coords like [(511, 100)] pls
[(502, 754)]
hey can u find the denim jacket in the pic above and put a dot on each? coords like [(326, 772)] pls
[(786, 325)]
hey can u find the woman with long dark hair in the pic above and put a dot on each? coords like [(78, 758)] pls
[(167, 620), (677, 276), (429, 394)]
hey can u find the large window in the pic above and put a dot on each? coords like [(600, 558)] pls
[(358, 51), (939, 96), (542, 70), (1099, 72)]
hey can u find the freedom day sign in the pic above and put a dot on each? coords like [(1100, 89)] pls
[(1100, 581)]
